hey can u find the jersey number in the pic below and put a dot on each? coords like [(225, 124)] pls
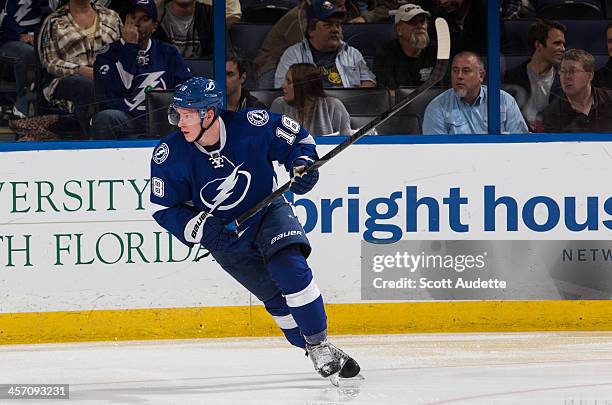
[(292, 126)]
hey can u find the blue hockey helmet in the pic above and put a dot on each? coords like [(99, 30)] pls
[(197, 93)]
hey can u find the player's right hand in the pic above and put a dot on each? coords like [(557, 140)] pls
[(302, 182)]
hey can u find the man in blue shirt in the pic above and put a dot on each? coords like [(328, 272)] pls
[(463, 109)]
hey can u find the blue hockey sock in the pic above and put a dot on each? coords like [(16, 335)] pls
[(277, 307), (290, 272)]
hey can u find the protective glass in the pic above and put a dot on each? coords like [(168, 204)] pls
[(189, 117)]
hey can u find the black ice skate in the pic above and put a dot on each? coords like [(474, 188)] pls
[(349, 368), (323, 360)]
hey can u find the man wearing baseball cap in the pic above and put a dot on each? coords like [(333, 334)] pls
[(131, 67), (409, 59), (341, 65), (148, 6), (140, 22)]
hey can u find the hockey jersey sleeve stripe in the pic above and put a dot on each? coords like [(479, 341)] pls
[(285, 322), (157, 207), (306, 158), (309, 140), (304, 297)]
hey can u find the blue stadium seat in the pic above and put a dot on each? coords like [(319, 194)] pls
[(201, 67), (362, 101), (562, 9), (510, 62), (589, 35), (367, 38), (247, 38), (417, 107), (265, 11), (396, 125), (157, 113), (266, 96)]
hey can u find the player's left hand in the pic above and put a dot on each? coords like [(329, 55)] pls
[(215, 234), (301, 182)]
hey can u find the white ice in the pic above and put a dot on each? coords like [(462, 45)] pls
[(495, 368)]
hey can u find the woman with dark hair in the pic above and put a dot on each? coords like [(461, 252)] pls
[(304, 100)]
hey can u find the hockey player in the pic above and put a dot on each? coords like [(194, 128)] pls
[(218, 166), (128, 69)]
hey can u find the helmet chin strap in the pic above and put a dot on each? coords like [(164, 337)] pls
[(203, 128)]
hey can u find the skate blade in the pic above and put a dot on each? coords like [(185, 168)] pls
[(358, 377), (352, 382)]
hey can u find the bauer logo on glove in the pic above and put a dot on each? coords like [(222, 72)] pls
[(210, 232)]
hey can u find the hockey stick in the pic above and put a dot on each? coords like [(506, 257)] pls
[(437, 75)]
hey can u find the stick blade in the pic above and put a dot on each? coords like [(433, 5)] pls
[(444, 41)]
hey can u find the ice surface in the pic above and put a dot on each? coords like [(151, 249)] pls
[(500, 368)]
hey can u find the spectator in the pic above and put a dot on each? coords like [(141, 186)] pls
[(407, 60), (584, 108), (535, 83), (341, 65), (18, 24), (233, 11), (291, 27), (467, 22), (131, 67), (603, 77), (463, 109), (71, 37), (304, 100), (189, 26), (238, 97)]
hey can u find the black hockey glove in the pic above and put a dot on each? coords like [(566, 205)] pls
[(301, 182), (215, 235)]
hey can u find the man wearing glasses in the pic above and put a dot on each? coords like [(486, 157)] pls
[(584, 108)]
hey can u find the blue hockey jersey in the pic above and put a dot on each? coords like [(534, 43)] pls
[(19, 17), (124, 73), (186, 179)]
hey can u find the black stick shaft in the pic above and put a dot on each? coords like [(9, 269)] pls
[(437, 75)]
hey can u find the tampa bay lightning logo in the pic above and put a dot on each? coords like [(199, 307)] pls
[(148, 82), (161, 153), (226, 193), (258, 118)]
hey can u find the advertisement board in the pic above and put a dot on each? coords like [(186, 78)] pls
[(76, 231)]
